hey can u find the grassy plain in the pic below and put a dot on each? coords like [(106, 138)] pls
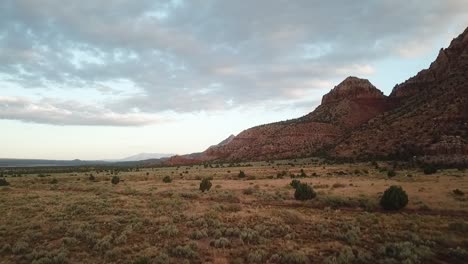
[(68, 218)]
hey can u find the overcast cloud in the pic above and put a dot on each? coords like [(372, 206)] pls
[(199, 55)]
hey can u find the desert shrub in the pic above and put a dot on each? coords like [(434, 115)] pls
[(185, 251), (353, 235), (3, 182), (49, 257), (248, 191), (303, 174), (405, 252), (460, 226), (241, 174), (304, 192), (142, 260), (162, 258), (458, 192), (321, 186), (92, 178), (54, 181), (232, 232), (20, 247), (205, 185), (115, 180), (249, 236), (198, 234), (257, 256), (221, 243), (168, 230), (229, 207), (281, 175), (103, 244), (290, 217), (394, 198), (458, 253), (345, 256), (5, 248), (215, 233), (167, 179), (429, 169), (338, 185), (391, 173), (367, 204), (251, 178), (295, 183), (294, 257), (189, 195)]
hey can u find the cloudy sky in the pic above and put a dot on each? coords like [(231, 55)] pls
[(95, 79)]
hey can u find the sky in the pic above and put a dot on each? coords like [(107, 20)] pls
[(95, 79)]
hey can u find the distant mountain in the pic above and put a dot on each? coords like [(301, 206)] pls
[(198, 157), (46, 163), (425, 117), (146, 156)]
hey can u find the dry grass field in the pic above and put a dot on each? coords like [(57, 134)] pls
[(69, 218)]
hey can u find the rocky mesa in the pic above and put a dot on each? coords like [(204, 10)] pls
[(348, 105), (424, 117)]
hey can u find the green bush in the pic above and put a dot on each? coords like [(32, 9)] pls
[(205, 185), (241, 174), (167, 179), (391, 173), (394, 198), (115, 180), (304, 192), (295, 183), (429, 169), (303, 174), (4, 182)]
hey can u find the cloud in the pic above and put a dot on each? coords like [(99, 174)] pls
[(50, 111), (207, 55)]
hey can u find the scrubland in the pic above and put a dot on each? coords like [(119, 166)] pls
[(81, 217)]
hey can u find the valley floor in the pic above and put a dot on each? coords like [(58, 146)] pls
[(68, 218)]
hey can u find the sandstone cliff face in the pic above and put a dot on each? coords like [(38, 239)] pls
[(426, 116), (433, 107), (451, 63), (352, 88), (350, 104)]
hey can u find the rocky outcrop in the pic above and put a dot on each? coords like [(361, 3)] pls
[(426, 116), (451, 63), (449, 145), (432, 108), (348, 105), (352, 88)]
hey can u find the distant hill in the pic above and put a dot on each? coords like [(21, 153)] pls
[(46, 163), (146, 156)]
